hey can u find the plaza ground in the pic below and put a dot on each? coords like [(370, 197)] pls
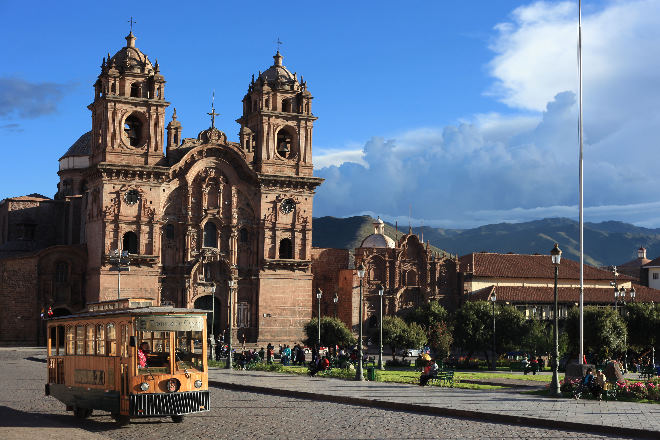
[(238, 412)]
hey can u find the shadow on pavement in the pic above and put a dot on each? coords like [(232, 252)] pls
[(35, 359)]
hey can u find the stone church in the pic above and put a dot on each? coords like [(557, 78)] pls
[(142, 212)]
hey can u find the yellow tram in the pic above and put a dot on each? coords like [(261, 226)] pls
[(131, 359)]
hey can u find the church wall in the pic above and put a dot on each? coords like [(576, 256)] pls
[(19, 308), (326, 266), (285, 296)]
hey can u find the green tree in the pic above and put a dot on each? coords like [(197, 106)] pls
[(643, 325), (333, 332), (427, 315), (509, 328), (394, 329), (414, 336), (440, 339), (473, 326), (604, 332), (537, 337)]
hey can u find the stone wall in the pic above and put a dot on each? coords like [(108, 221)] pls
[(326, 265), (20, 319)]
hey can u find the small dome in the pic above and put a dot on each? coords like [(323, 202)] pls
[(278, 73), (130, 58), (81, 147), (378, 241)]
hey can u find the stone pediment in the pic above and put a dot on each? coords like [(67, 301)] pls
[(212, 136)]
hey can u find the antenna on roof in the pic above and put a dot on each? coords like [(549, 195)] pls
[(409, 217)]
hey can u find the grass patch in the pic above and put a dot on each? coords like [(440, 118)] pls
[(488, 376)]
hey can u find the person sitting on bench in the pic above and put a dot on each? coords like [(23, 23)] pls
[(430, 372)]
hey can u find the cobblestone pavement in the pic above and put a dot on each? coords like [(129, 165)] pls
[(26, 413)]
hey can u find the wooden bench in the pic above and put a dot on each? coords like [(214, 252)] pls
[(444, 378), (647, 372)]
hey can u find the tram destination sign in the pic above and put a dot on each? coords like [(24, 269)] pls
[(160, 323)]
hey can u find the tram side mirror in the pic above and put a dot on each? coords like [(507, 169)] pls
[(131, 341)]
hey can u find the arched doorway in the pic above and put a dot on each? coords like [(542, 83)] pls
[(204, 303)]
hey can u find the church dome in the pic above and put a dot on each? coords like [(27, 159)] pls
[(378, 239), (130, 58), (278, 73), (81, 147)]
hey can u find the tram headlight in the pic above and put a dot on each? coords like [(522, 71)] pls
[(144, 386), (198, 383)]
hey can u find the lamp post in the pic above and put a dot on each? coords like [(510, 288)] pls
[(358, 372), (231, 283), (625, 335), (120, 258), (319, 293), (380, 330), (212, 337), (493, 298), (555, 253), (335, 300)]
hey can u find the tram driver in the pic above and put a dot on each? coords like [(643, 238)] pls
[(142, 354)]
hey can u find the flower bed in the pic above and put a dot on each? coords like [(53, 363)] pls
[(626, 390)]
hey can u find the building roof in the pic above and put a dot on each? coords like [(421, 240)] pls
[(130, 58), (81, 147), (277, 72), (484, 264), (545, 295), (653, 263), (33, 196)]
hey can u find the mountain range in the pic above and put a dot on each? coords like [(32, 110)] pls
[(606, 243)]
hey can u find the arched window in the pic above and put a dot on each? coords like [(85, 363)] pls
[(286, 249), (169, 231), (61, 272), (244, 237), (130, 242), (135, 90), (284, 143), (210, 235), (133, 130), (113, 88)]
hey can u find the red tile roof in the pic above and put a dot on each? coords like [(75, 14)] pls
[(545, 295), (483, 264)]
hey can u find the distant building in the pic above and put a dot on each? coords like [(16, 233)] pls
[(635, 268), (527, 282)]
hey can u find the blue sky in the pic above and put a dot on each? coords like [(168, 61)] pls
[(464, 110)]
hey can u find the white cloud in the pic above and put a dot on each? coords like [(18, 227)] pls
[(327, 157), (493, 167)]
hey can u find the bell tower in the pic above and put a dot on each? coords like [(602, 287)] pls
[(277, 122), (128, 111)]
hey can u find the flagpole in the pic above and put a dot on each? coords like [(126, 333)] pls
[(581, 196)]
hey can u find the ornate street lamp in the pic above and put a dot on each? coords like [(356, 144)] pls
[(380, 339), (212, 336), (319, 293), (120, 258), (358, 372), (230, 362), (555, 253), (335, 300), (493, 298)]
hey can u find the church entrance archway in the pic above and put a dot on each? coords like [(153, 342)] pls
[(205, 303)]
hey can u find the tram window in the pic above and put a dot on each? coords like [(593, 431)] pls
[(110, 339), (156, 350), (124, 340), (89, 340), (70, 340), (189, 350), (80, 339), (100, 339)]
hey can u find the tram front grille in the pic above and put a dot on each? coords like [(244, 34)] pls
[(168, 404)]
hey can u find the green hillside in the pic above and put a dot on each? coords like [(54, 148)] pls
[(348, 233)]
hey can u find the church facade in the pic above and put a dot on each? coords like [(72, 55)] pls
[(143, 212)]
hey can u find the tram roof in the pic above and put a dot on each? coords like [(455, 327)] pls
[(154, 310)]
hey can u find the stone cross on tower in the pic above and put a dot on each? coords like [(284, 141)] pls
[(279, 44), (213, 114), (132, 22)]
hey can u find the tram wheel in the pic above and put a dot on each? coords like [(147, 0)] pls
[(121, 420), (177, 418), (82, 413)]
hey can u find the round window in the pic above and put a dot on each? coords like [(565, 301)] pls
[(132, 197)]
